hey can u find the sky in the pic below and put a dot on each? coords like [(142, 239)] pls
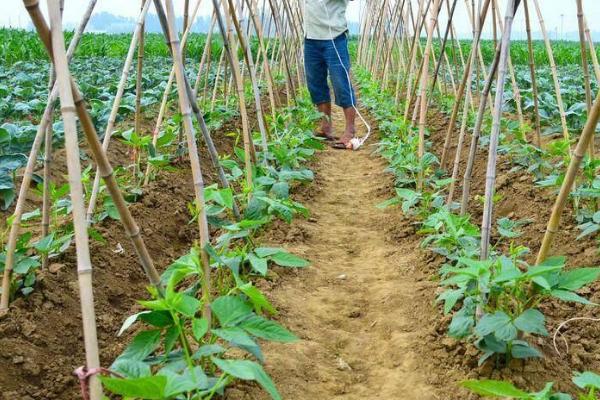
[(560, 16)]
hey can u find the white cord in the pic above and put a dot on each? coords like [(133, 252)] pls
[(356, 142)]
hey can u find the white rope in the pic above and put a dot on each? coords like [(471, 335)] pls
[(356, 142)]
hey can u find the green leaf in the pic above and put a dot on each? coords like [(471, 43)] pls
[(532, 321), (258, 264), (131, 368), (460, 326), (587, 380), (263, 252), (187, 305), (286, 259), (230, 309), (524, 350), (267, 329), (199, 328), (248, 370), (450, 297), (25, 264), (235, 335), (565, 295), (152, 387), (208, 350), (551, 264), (494, 388), (577, 278), (281, 190), (160, 319), (239, 338), (258, 300), (142, 345), (130, 321), (490, 323), (188, 381)]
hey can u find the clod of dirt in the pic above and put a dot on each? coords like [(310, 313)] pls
[(343, 365)]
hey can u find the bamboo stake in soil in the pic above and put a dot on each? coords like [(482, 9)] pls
[(424, 84), (104, 167), (233, 63), (138, 95), (273, 96), (460, 93), (262, 126), (534, 87), (465, 116), (468, 176), (494, 135), (46, 200), (443, 45), (210, 146), (45, 122), (561, 108), (583, 144), (84, 265), (584, 65), (186, 112), (116, 104)]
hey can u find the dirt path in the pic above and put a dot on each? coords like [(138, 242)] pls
[(353, 308)]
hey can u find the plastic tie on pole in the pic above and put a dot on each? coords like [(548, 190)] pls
[(84, 374)]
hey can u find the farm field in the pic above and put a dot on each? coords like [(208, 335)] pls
[(172, 225)]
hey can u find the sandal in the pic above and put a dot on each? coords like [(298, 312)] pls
[(342, 146)]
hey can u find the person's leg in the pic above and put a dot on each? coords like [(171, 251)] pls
[(316, 80), (342, 86), (325, 109)]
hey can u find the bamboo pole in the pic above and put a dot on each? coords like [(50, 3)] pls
[(468, 176), (106, 171), (206, 54), (593, 54), (444, 40), (423, 89), (233, 63), (138, 94), (515, 87), (210, 146), (460, 93), (559, 205), (46, 200), (115, 106), (253, 80), (465, 114), (494, 135), (273, 95), (559, 101), (84, 265), (45, 122), (283, 50), (186, 112), (534, 87), (413, 58), (585, 66), (213, 98)]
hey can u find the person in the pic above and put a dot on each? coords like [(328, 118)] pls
[(325, 25)]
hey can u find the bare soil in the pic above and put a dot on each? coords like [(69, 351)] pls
[(354, 308)]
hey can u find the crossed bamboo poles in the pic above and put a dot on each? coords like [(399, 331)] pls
[(73, 107), (382, 25)]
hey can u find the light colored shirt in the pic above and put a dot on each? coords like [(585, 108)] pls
[(325, 19)]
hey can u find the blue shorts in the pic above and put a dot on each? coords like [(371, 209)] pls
[(320, 59)]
